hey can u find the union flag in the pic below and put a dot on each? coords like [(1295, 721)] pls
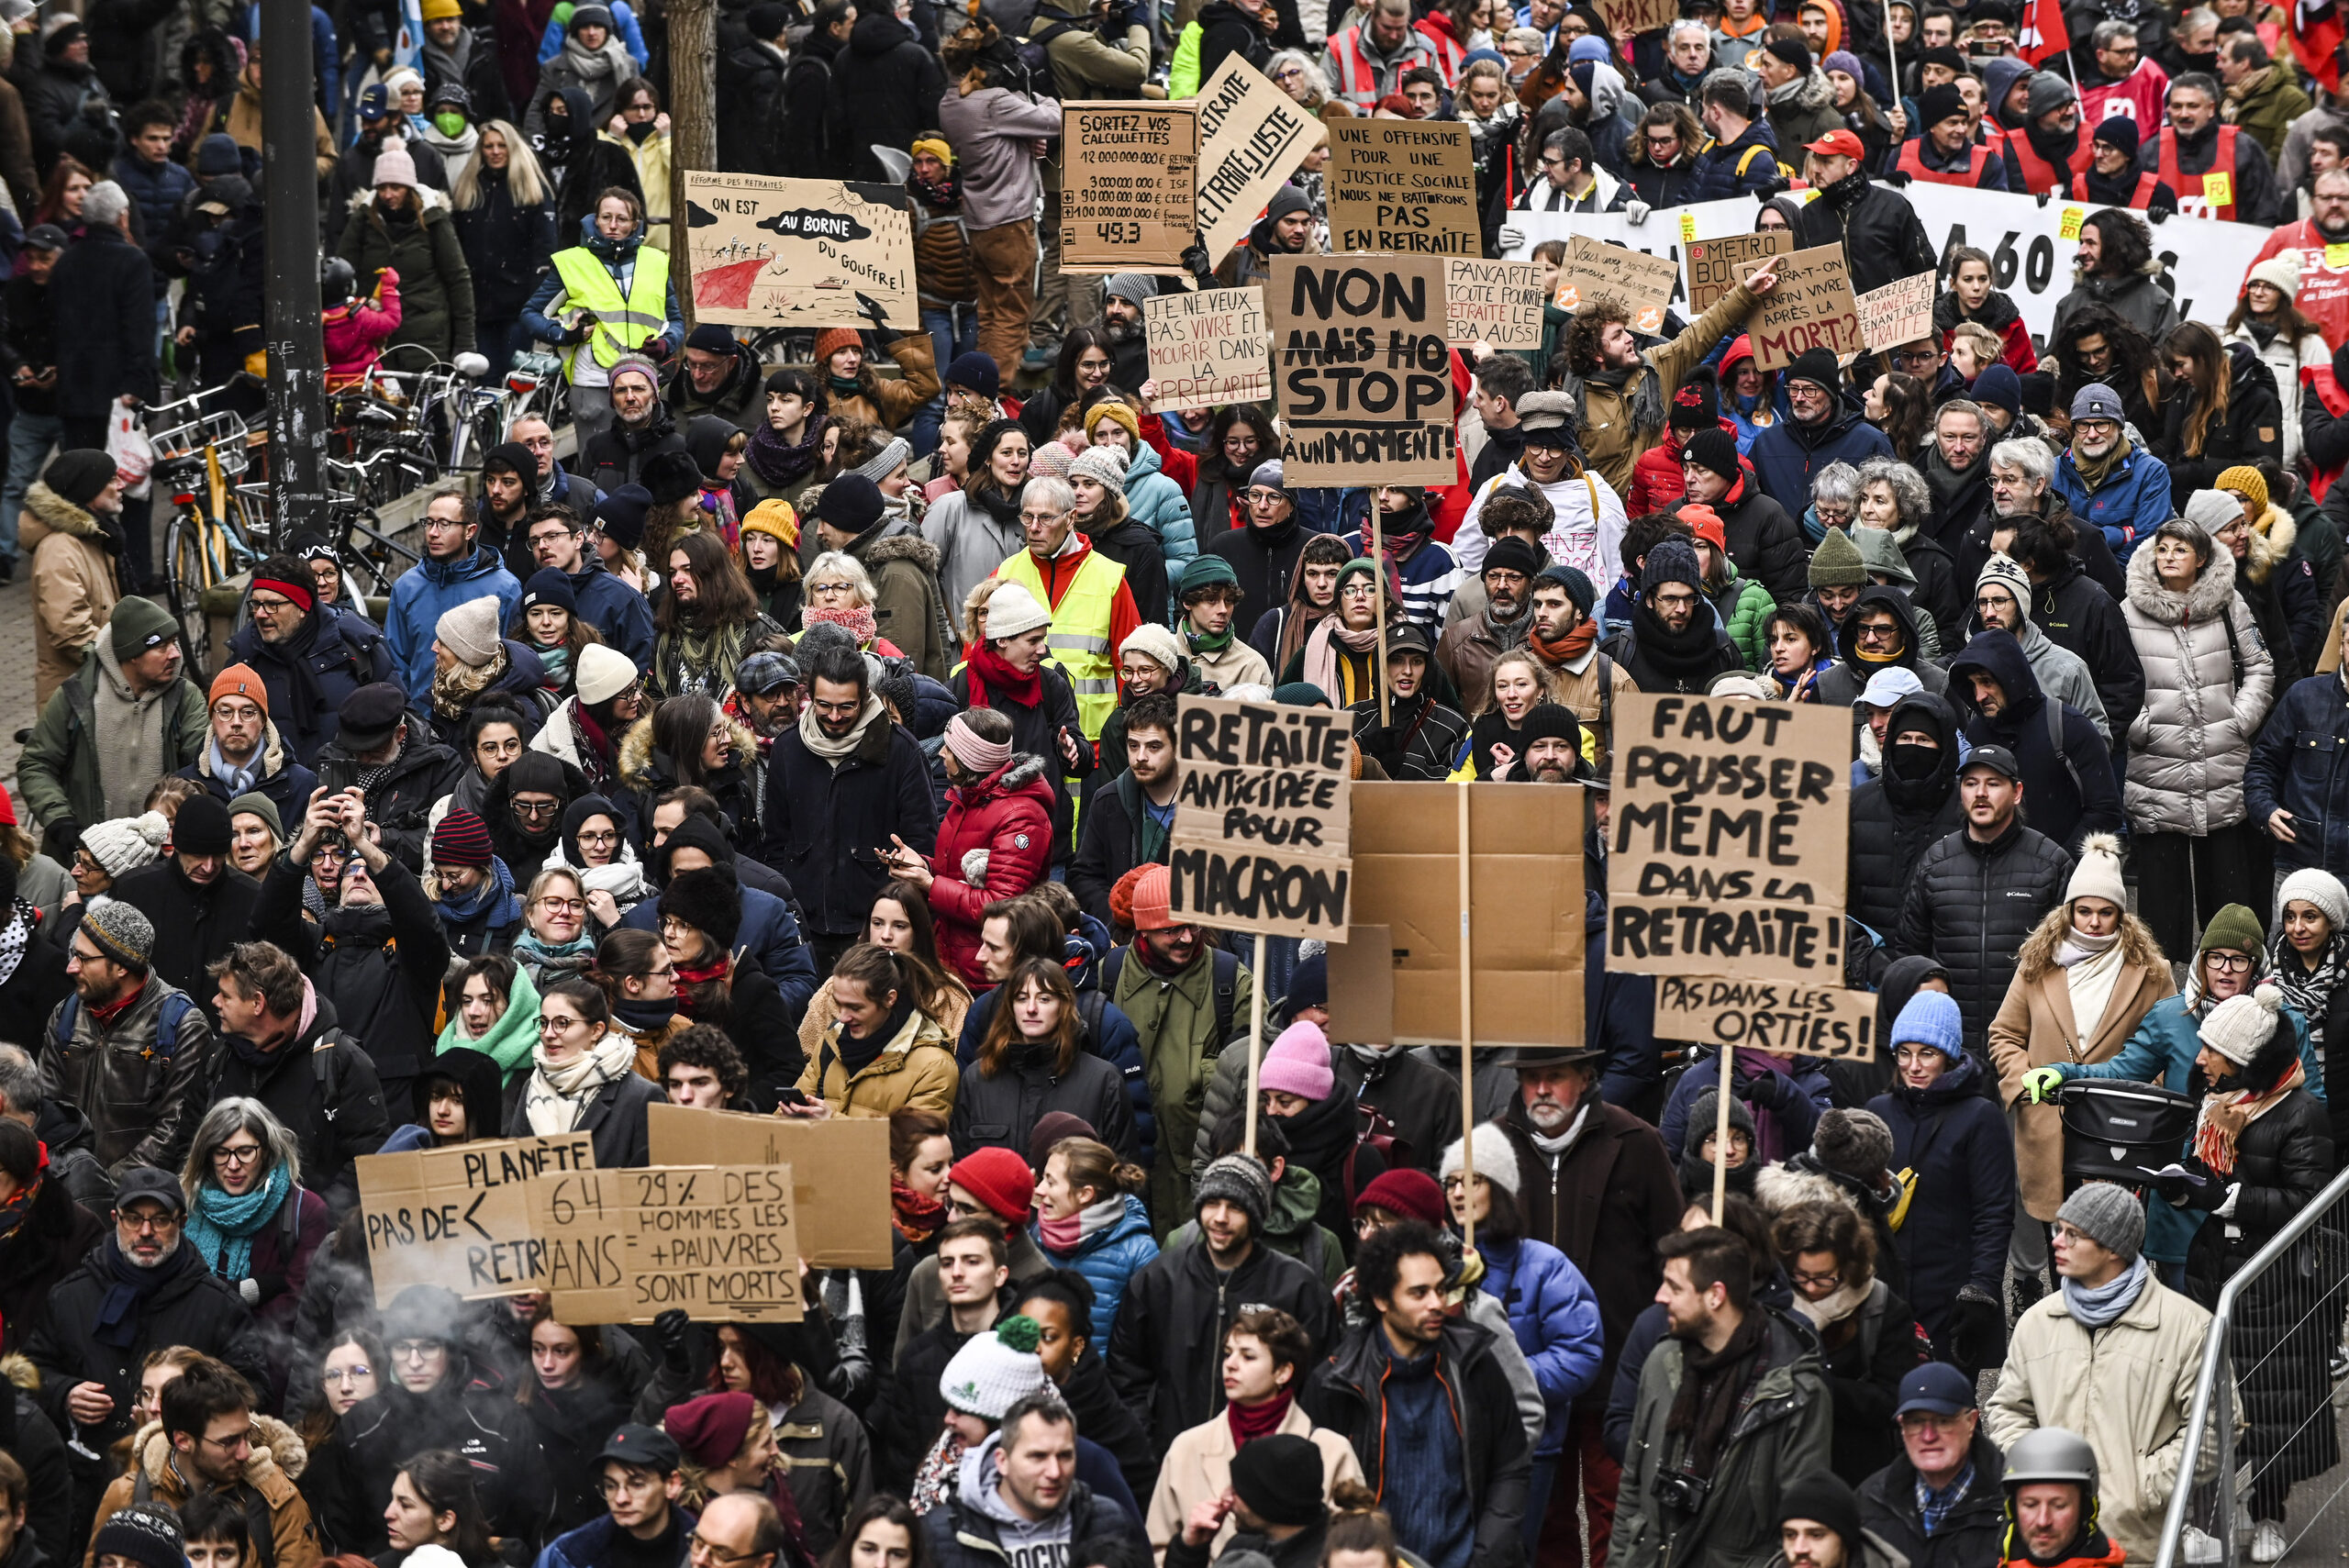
[(2316, 38)]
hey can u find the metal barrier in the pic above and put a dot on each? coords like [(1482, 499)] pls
[(2271, 1354)]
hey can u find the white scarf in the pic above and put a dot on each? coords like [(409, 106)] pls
[(2092, 977), (1836, 1307), (557, 1095)]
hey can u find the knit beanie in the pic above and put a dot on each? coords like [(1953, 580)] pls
[(777, 518), (119, 931), (1673, 560), (470, 630), (239, 681), (974, 372), (144, 1533), (1410, 1192), (2238, 1027), (2108, 1215), (2320, 888), (1818, 367), (620, 516), (1697, 405), (1050, 461), (254, 803), (894, 455), (1495, 1158), (1705, 524), (996, 1370), (1851, 1143), (852, 504), (1741, 685), (1298, 1062), (2281, 271), (1154, 642), (1575, 581), (711, 1428), (136, 624), (2096, 401), (1105, 466), (1050, 1128), (1204, 572), (1121, 896), (999, 1179), (1238, 1179), (1154, 899), (2246, 482), (1012, 609), (1999, 387), (1278, 1478), (1935, 105), (603, 674), (202, 825), (1825, 1499), (2234, 927), (1844, 61), (2098, 873), (122, 844), (461, 839), (1704, 1119), (1509, 553), (1119, 413), (394, 166), (1836, 563), (1930, 1018), (1715, 449), (1308, 983), (2211, 510), (2122, 132), (549, 585), (831, 340), (1269, 475)]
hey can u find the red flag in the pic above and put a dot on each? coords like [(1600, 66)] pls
[(2317, 37), (2044, 35)]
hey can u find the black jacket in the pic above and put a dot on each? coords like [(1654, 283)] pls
[(2251, 427), (1344, 1395), (67, 110), (32, 1439), (1226, 30), (750, 79), (379, 967), (1895, 820), (468, 1415), (1969, 908), (1106, 1420), (1968, 1536), (1882, 240), (617, 455), (1762, 539), (890, 87), (1109, 843), (613, 1120), (194, 923), (2282, 1160), (1622, 645), (105, 287), (47, 1245), (1940, 592), (1166, 1352), (823, 825), (507, 248), (818, 141), (400, 801), (323, 1087), (1001, 1112), (2069, 793), (2078, 615), (341, 653), (1132, 545), (35, 987)]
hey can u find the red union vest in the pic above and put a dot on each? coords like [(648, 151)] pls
[(2038, 174), (2191, 188), (2076, 189), (1912, 163), (1357, 78)]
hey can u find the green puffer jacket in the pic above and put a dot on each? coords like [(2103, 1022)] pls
[(58, 769), (1745, 603)]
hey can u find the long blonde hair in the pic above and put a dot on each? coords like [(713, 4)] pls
[(525, 181)]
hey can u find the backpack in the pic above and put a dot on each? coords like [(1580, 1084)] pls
[(173, 1013), (1227, 984)]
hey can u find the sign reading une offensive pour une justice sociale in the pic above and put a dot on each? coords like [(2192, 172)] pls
[(1263, 825)]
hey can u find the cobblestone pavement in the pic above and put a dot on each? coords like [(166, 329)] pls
[(16, 673)]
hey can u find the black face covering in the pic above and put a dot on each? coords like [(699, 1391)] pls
[(1911, 762)]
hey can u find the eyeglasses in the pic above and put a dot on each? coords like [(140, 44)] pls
[(230, 1444), (598, 836), (346, 1376), (535, 807), (237, 1154), (562, 906), (1288, 73), (2228, 963), (555, 1023), (700, 1546), (1825, 1282), (1880, 632), (138, 1224), (413, 1350), (610, 1487)]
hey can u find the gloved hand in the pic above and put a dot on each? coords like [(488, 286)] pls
[(2226, 1209), (670, 1328), (1198, 263), (2159, 214), (63, 837), (1637, 211), (2041, 1086), (1770, 1091), (1512, 237), (1977, 1331)]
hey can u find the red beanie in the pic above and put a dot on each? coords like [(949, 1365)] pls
[(999, 1179), (711, 1428), (1408, 1192), (461, 839)]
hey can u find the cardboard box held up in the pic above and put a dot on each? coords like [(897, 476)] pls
[(839, 1170)]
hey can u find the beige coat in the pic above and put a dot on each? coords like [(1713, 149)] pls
[(2035, 1027), (823, 1012), (2126, 1389), (73, 585), (278, 1457), (1199, 1466), (915, 1070)]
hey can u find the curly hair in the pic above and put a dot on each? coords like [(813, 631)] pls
[(1910, 494), (1580, 349), (2127, 244)]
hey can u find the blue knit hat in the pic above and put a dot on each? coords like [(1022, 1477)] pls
[(1930, 1018)]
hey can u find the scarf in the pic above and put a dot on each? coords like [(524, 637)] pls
[(642, 1016), (1209, 642), (691, 977), (458, 687), (1567, 648), (2078, 947), (778, 462), (2091, 968), (836, 751), (916, 1218), (221, 1225), (12, 1212), (2310, 991), (15, 936), (1321, 656), (2095, 1306), (554, 1097), (2095, 472), (493, 892), (858, 622), (2226, 1112), (1493, 727), (1825, 1315), (1250, 1422), (1063, 1237), (129, 1287), (844, 385), (556, 664), (988, 672), (1684, 655), (934, 1481), (702, 658), (237, 780), (855, 1053), (563, 958), (942, 196), (1706, 1402)]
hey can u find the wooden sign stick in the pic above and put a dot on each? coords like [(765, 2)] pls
[(1255, 1043)]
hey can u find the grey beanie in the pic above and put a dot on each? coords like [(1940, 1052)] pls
[(2107, 1216), (1852, 1142), (1236, 1178)]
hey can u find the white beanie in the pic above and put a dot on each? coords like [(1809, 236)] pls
[(996, 1370), (2098, 873), (1155, 643), (2320, 888), (2239, 1026), (2282, 270), (470, 630), (1495, 1158), (124, 844), (1011, 610), (1104, 466), (604, 673), (2211, 510)]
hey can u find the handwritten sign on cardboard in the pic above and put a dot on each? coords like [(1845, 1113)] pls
[(1765, 1014), (767, 252), (1403, 186), (1729, 826), (1625, 17), (718, 1241), (1209, 347), (1717, 266), (1364, 373), (1252, 138), (1900, 312), (1127, 200), (1812, 308), (1595, 270), (1497, 303), (1263, 818), (461, 1215), (840, 1171)]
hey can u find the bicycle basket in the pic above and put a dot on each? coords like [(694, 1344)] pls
[(2121, 1131), (225, 433)]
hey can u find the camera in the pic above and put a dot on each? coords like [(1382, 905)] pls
[(1682, 1492)]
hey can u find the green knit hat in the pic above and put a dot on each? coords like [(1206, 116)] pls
[(1836, 563), (2236, 928), (1360, 566), (137, 624), (1204, 572), (261, 805)]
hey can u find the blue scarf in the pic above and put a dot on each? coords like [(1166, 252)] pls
[(497, 887), (221, 1226), (2096, 1306), (564, 960)]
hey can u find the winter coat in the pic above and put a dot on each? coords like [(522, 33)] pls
[(75, 586), (893, 83), (194, 924), (597, 72), (2134, 500), (1748, 166), (506, 245), (2251, 427), (105, 287), (2081, 615), (435, 286), (1175, 1017), (1006, 819), (571, 1426), (142, 1092), (426, 593), (1958, 1145), (2209, 684), (58, 771), (906, 605), (1882, 240), (2296, 766), (2069, 786), (378, 969), (613, 1120), (960, 1534), (1166, 1355), (341, 653), (1107, 1258), (323, 1088), (2139, 299), (1613, 434), (400, 799), (1743, 604), (1783, 1432), (915, 1070), (1971, 905), (1785, 1097), (1972, 1533), (469, 1413), (1103, 1031), (277, 1461), (643, 773), (821, 823), (1197, 1466), (2125, 1388), (1841, 686), (1895, 821), (1158, 503), (2285, 361), (2283, 1160), (284, 782), (50, 1243), (1555, 1318), (2275, 581), (1787, 456), (1764, 542), (1000, 1111)]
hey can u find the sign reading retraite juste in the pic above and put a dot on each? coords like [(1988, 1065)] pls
[(1404, 187), (1127, 200), (459, 1216), (776, 252), (1763, 1015), (1252, 135), (1263, 818), (717, 1241), (1362, 369), (1209, 347)]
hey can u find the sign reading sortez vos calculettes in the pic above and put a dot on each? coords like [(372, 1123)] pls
[(1363, 370), (1263, 818), (1729, 827)]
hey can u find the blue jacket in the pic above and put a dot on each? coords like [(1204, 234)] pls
[(616, 610), (590, 1546), (2133, 502), (2300, 763), (623, 23), (1157, 502), (614, 254), (771, 936), (158, 190), (1555, 1318), (1787, 456), (1963, 1216), (1116, 1042), (1107, 1258), (431, 590), (343, 651), (1794, 1102)]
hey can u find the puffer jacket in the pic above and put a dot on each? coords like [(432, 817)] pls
[(1107, 1258), (2251, 427), (1104, 1031), (1158, 503), (994, 842), (2134, 500), (1963, 1214), (142, 1092), (2283, 1160), (915, 1070), (2209, 684), (342, 652), (2080, 613), (1895, 820), (75, 586), (1555, 1318), (2279, 586), (1787, 456), (2299, 764), (1971, 905)]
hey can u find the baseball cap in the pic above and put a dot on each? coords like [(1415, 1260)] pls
[(146, 1184), (1998, 759), (375, 103), (645, 1448), (1404, 638), (1937, 1387), (1837, 144), (44, 237)]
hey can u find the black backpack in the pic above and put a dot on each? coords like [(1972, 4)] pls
[(1227, 988)]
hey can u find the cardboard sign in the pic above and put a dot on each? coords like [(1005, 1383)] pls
[(1261, 817), (840, 1171), (1497, 303), (1127, 203), (1404, 186), (1252, 138), (1717, 266), (1625, 17), (461, 1216), (1729, 831), (1209, 347), (1594, 271), (1812, 308), (718, 1241), (1398, 980), (1786, 1021), (1364, 373), (1898, 313), (768, 252)]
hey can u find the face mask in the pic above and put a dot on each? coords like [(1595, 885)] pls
[(449, 123), (1911, 762), (637, 131)]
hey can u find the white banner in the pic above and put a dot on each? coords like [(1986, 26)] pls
[(2029, 257)]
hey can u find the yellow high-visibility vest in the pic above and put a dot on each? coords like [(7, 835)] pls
[(1079, 640), (621, 325)]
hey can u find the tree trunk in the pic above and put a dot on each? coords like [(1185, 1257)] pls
[(693, 123)]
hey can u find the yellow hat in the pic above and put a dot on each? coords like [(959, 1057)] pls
[(2245, 481), (434, 10), (776, 519), (1121, 412)]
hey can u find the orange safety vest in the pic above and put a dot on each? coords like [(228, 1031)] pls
[(2190, 186), (2038, 174), (1912, 163), (1357, 78), (2076, 189)]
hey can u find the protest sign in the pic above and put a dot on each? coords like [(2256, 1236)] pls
[(1496, 302), (1730, 828), (1364, 372), (840, 1172), (1209, 347), (1252, 138), (1397, 982), (717, 1241), (459, 1216), (1636, 279), (1772, 1016), (1128, 201), (1627, 18), (1404, 187), (1898, 313), (1812, 308), (1717, 266), (767, 252), (1261, 817)]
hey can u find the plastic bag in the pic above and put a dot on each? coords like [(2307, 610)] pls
[(133, 454)]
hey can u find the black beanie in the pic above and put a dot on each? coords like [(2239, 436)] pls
[(1278, 1479), (2120, 130), (1794, 51), (1938, 103), (1511, 553), (710, 900), (78, 475), (201, 826), (1716, 449), (1818, 367), (1826, 1499), (850, 504), (1550, 721)]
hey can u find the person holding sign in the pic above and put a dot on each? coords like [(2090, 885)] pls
[(583, 1078)]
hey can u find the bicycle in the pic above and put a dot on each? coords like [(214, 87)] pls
[(455, 422), (212, 535), (371, 559)]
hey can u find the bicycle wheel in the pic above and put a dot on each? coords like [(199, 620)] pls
[(183, 570), (372, 559)]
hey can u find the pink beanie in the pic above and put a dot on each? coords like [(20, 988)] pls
[(1298, 1062)]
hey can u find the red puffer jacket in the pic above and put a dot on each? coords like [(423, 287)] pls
[(1009, 814), (1657, 483)]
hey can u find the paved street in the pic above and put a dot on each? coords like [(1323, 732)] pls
[(16, 674)]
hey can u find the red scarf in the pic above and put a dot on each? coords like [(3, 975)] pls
[(1572, 646), (112, 1012), (916, 1218), (1261, 1421), (990, 672), (685, 977)]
